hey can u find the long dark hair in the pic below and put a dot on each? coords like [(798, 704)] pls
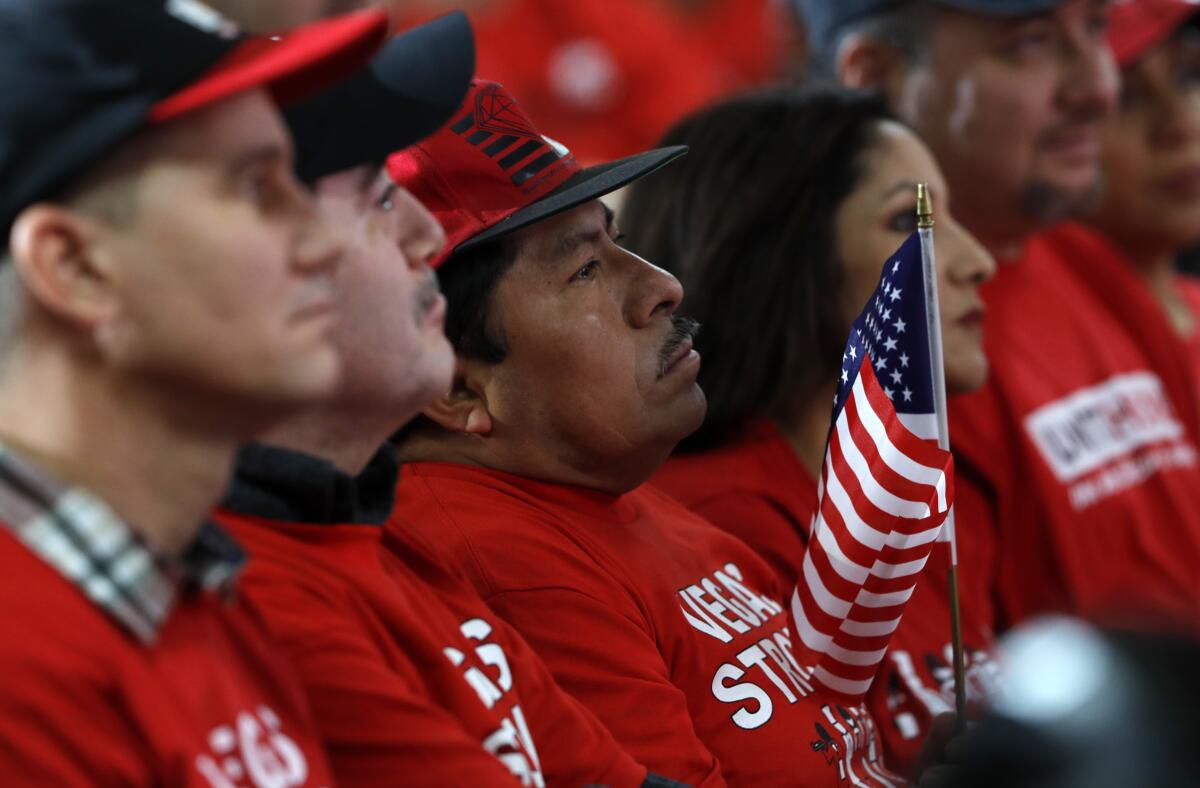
[(746, 221)]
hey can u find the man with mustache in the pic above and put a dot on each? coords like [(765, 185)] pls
[(1077, 462), (411, 677), (575, 379), (165, 283)]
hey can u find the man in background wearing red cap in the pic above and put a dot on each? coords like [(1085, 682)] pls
[(575, 379), (412, 678), (166, 291), (1076, 464)]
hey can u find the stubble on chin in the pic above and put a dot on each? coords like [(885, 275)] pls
[(1047, 203)]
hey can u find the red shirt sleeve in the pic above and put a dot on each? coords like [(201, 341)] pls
[(379, 725), (618, 672)]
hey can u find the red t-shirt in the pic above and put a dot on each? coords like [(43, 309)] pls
[(666, 627), (1083, 441), (413, 680), (756, 489), (209, 703), (1189, 289)]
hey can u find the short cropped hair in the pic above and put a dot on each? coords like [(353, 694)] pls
[(746, 222), (904, 27), (468, 281)]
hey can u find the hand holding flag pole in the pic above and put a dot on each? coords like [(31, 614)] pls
[(929, 270)]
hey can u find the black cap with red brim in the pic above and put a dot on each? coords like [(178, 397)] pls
[(77, 77), (409, 90)]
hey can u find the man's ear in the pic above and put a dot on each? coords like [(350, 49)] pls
[(53, 249), (868, 64), (465, 407)]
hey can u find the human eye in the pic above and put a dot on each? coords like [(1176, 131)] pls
[(1186, 73), (1029, 41), (260, 186), (385, 202), (904, 220), (587, 272), (1097, 23)]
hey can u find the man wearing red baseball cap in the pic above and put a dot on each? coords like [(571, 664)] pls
[(166, 292), (575, 378), (411, 677)]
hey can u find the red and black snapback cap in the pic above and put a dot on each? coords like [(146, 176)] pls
[(79, 76), (490, 172), (410, 89), (1136, 26)]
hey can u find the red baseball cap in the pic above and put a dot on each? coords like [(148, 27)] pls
[(293, 66), (491, 172), (1136, 26)]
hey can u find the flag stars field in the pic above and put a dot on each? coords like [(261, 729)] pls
[(884, 489)]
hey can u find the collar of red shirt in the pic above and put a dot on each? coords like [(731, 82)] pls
[(279, 484), (100, 553), (581, 500)]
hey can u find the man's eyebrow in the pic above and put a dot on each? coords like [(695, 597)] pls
[(567, 243), (269, 153), (368, 176)]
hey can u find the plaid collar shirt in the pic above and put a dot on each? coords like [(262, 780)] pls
[(88, 543)]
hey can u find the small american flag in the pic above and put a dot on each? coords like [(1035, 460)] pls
[(885, 487)]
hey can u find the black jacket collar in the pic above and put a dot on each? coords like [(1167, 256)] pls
[(281, 484)]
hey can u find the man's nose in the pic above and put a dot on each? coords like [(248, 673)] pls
[(655, 293), (421, 237), (1090, 79)]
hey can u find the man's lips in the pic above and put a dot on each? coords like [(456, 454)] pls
[(1080, 142), (317, 309), (434, 310), (685, 349)]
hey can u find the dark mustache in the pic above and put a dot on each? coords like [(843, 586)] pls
[(1087, 116), (682, 329)]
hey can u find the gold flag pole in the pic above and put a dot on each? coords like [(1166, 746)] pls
[(933, 312)]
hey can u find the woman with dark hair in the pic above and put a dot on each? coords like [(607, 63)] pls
[(778, 224)]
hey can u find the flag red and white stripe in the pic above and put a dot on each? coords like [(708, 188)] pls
[(884, 495)]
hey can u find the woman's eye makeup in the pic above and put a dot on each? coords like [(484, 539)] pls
[(903, 220)]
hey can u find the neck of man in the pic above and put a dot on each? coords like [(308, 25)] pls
[(1003, 237), (346, 436), (611, 476), (808, 431), (158, 462)]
